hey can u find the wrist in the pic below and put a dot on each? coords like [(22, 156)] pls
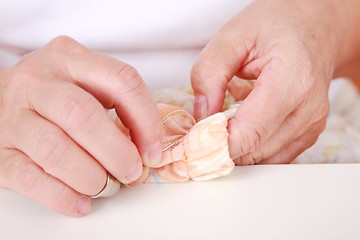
[(335, 26)]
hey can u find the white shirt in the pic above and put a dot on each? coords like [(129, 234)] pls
[(160, 38)]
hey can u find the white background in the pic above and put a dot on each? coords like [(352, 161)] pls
[(255, 202)]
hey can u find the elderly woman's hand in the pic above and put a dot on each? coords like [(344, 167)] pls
[(57, 142), (293, 48)]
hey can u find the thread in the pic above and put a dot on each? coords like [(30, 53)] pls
[(168, 117)]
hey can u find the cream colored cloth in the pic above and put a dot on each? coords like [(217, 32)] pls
[(340, 141)]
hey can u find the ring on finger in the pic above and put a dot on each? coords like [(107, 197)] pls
[(111, 187)]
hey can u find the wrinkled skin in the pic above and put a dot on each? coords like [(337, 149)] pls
[(57, 141), (293, 49)]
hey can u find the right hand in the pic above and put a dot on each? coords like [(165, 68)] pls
[(57, 141)]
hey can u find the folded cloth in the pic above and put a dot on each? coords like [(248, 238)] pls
[(191, 151), (199, 151), (196, 151)]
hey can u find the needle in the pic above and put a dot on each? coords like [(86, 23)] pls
[(174, 143)]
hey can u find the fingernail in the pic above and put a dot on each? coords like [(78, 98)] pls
[(134, 173), (155, 154), (201, 106), (84, 205)]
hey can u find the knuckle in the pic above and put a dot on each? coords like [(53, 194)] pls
[(245, 139), (252, 160), (79, 112), (8, 118), (30, 176), (196, 70), (128, 80), (205, 78), (66, 44), (257, 156), (201, 71), (248, 159), (9, 167), (24, 72), (50, 149), (24, 65), (252, 140)]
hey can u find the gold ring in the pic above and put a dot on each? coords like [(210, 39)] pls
[(111, 187)]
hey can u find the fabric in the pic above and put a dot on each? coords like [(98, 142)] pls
[(199, 151), (191, 151)]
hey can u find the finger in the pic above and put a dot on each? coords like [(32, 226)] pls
[(224, 56), (210, 74), (240, 88), (307, 120), (57, 153), (83, 118), (290, 152), (25, 177), (262, 112), (291, 130), (116, 85)]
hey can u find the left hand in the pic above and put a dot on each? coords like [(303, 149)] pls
[(292, 48)]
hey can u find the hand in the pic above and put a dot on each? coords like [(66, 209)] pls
[(292, 48), (57, 141)]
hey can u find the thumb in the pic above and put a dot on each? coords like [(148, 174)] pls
[(242, 53), (215, 67)]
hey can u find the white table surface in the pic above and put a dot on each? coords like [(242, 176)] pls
[(255, 202)]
